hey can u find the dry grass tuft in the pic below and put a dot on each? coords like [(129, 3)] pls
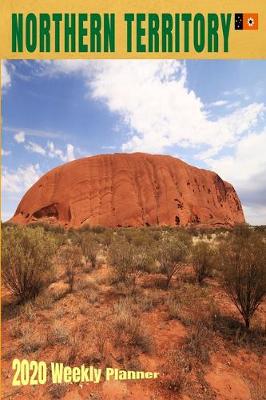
[(127, 325), (28, 313), (57, 391), (44, 301), (198, 343), (31, 340), (58, 334)]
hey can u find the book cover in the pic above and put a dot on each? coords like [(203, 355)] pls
[(133, 209)]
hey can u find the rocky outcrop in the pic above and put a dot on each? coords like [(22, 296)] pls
[(130, 190)]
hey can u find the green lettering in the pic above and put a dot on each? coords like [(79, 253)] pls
[(109, 32), (129, 18), (199, 32), (95, 42), (45, 33), (141, 48), (213, 25), (186, 18), (83, 47), (70, 32), (57, 18), (167, 27), (177, 33), (153, 33), (226, 21), (17, 33), (31, 32)]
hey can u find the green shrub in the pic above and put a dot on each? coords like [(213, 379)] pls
[(184, 236), (171, 255), (242, 231), (144, 259), (243, 261), (121, 257), (202, 260), (74, 236), (106, 237), (129, 261), (98, 229), (27, 260), (89, 249), (70, 257)]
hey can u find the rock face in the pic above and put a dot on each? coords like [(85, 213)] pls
[(130, 190)]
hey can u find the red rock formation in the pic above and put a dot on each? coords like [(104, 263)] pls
[(130, 190)]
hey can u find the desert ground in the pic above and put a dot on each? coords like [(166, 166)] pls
[(138, 299)]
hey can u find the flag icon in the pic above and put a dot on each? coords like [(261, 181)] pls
[(247, 21)]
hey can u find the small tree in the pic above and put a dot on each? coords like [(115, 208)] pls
[(201, 257), (243, 261), (171, 256), (89, 249), (121, 257), (70, 257), (27, 260)]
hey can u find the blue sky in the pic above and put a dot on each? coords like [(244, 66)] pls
[(208, 113)]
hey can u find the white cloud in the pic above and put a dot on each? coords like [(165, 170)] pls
[(256, 215), (35, 148), (54, 152), (108, 147), (235, 92), (70, 153), (156, 107), (218, 103), (6, 215), (247, 161), (36, 132), (20, 180), (234, 104), (20, 137), (5, 75), (6, 152), (159, 109), (246, 170)]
